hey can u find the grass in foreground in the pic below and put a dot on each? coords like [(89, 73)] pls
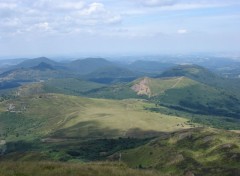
[(201, 151), (70, 169)]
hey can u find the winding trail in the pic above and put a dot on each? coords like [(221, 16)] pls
[(179, 80)]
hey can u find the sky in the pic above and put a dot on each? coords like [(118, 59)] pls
[(77, 27)]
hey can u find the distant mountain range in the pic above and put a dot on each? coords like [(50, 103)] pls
[(34, 62), (187, 87), (149, 67), (95, 69)]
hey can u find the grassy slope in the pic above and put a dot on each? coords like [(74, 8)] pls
[(63, 169), (118, 118), (181, 88), (70, 86), (194, 72), (198, 102), (61, 128), (204, 76), (200, 151), (195, 97), (173, 89), (182, 96), (30, 75), (42, 112), (76, 117), (159, 86), (202, 99), (188, 97), (71, 119), (117, 91), (74, 86)]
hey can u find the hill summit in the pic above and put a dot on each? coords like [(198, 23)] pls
[(35, 62), (194, 72), (43, 66)]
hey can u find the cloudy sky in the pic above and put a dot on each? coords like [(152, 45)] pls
[(75, 27)]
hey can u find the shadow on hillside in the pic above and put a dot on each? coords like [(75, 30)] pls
[(139, 133), (92, 130), (86, 130)]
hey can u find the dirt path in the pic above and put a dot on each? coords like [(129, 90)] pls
[(179, 80)]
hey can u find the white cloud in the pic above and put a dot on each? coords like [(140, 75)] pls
[(43, 26), (114, 19), (57, 5), (185, 4), (52, 20), (94, 8), (10, 22), (71, 5), (158, 2), (182, 31), (97, 14), (4, 5), (39, 28), (54, 16)]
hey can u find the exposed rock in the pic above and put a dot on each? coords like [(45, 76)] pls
[(184, 135), (208, 139), (189, 173), (176, 159), (142, 88), (11, 107)]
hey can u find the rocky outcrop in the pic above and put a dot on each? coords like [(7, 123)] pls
[(142, 88)]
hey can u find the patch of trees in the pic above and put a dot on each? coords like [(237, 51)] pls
[(9, 85), (210, 109), (101, 148), (221, 122)]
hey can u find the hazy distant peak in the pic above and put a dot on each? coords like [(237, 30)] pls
[(194, 72), (91, 60), (88, 65), (35, 62), (43, 66)]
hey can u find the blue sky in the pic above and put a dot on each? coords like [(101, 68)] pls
[(77, 27)]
